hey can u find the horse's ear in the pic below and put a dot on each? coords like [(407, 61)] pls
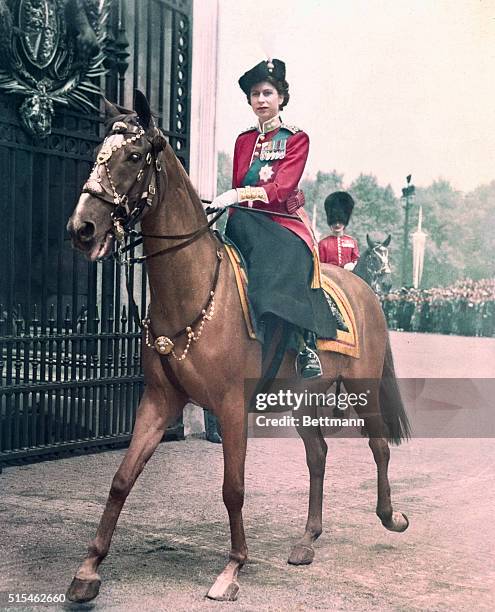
[(110, 109), (386, 242), (370, 242), (142, 108)]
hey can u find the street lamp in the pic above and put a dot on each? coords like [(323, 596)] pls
[(408, 197)]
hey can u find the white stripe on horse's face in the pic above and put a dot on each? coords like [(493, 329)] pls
[(381, 254), (80, 212)]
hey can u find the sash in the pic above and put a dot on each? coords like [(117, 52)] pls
[(253, 174)]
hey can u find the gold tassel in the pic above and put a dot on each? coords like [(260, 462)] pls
[(316, 282)]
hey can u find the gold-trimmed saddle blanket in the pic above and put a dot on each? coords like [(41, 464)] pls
[(346, 342)]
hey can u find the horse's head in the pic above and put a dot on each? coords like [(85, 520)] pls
[(122, 185), (378, 266)]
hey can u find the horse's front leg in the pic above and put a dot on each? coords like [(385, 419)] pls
[(154, 413), (316, 452), (233, 424)]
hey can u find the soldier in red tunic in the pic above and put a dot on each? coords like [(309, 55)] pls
[(280, 252), (339, 248)]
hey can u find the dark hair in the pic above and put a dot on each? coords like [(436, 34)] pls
[(282, 88)]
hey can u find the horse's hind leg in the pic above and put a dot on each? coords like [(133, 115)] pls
[(151, 421), (392, 520), (316, 452), (234, 432)]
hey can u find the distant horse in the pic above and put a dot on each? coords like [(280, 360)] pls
[(373, 266), (195, 343)]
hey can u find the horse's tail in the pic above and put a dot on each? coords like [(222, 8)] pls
[(391, 405)]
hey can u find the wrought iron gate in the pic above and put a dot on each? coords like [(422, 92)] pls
[(70, 372)]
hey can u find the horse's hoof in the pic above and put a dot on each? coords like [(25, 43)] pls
[(398, 523), (301, 554), (222, 591), (83, 590)]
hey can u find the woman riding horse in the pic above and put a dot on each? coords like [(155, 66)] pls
[(269, 160), (195, 343)]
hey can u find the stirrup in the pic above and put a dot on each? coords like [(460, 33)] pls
[(308, 364)]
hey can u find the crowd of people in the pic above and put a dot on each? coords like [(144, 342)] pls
[(466, 308)]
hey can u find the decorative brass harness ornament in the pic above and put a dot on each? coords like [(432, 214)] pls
[(165, 345), (124, 218)]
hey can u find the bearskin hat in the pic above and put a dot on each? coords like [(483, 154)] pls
[(274, 69), (339, 206)]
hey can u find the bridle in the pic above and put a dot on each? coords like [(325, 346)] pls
[(128, 210), (376, 273), (129, 206)]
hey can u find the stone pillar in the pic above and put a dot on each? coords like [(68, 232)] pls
[(203, 156)]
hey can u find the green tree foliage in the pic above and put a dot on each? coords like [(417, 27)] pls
[(477, 219), (460, 239), (445, 257)]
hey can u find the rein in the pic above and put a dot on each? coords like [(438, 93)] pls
[(163, 344), (128, 210), (188, 239)]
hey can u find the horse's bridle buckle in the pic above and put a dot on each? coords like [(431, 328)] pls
[(151, 195), (118, 230)]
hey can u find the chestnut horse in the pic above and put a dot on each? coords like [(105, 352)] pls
[(192, 285)]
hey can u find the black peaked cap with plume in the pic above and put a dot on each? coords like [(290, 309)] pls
[(267, 68)]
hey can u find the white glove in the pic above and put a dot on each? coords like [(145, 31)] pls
[(349, 266), (225, 199)]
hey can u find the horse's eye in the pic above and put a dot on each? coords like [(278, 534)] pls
[(135, 157)]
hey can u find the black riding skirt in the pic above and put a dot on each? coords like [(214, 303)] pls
[(280, 270)]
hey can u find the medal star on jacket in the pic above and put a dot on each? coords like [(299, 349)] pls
[(266, 173), (288, 154)]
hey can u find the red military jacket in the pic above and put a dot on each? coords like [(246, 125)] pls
[(338, 250), (280, 152)]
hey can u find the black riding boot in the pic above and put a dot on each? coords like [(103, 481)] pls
[(308, 363)]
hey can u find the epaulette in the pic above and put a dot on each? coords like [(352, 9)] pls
[(249, 129), (291, 128)]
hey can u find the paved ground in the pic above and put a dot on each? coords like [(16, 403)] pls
[(173, 534)]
